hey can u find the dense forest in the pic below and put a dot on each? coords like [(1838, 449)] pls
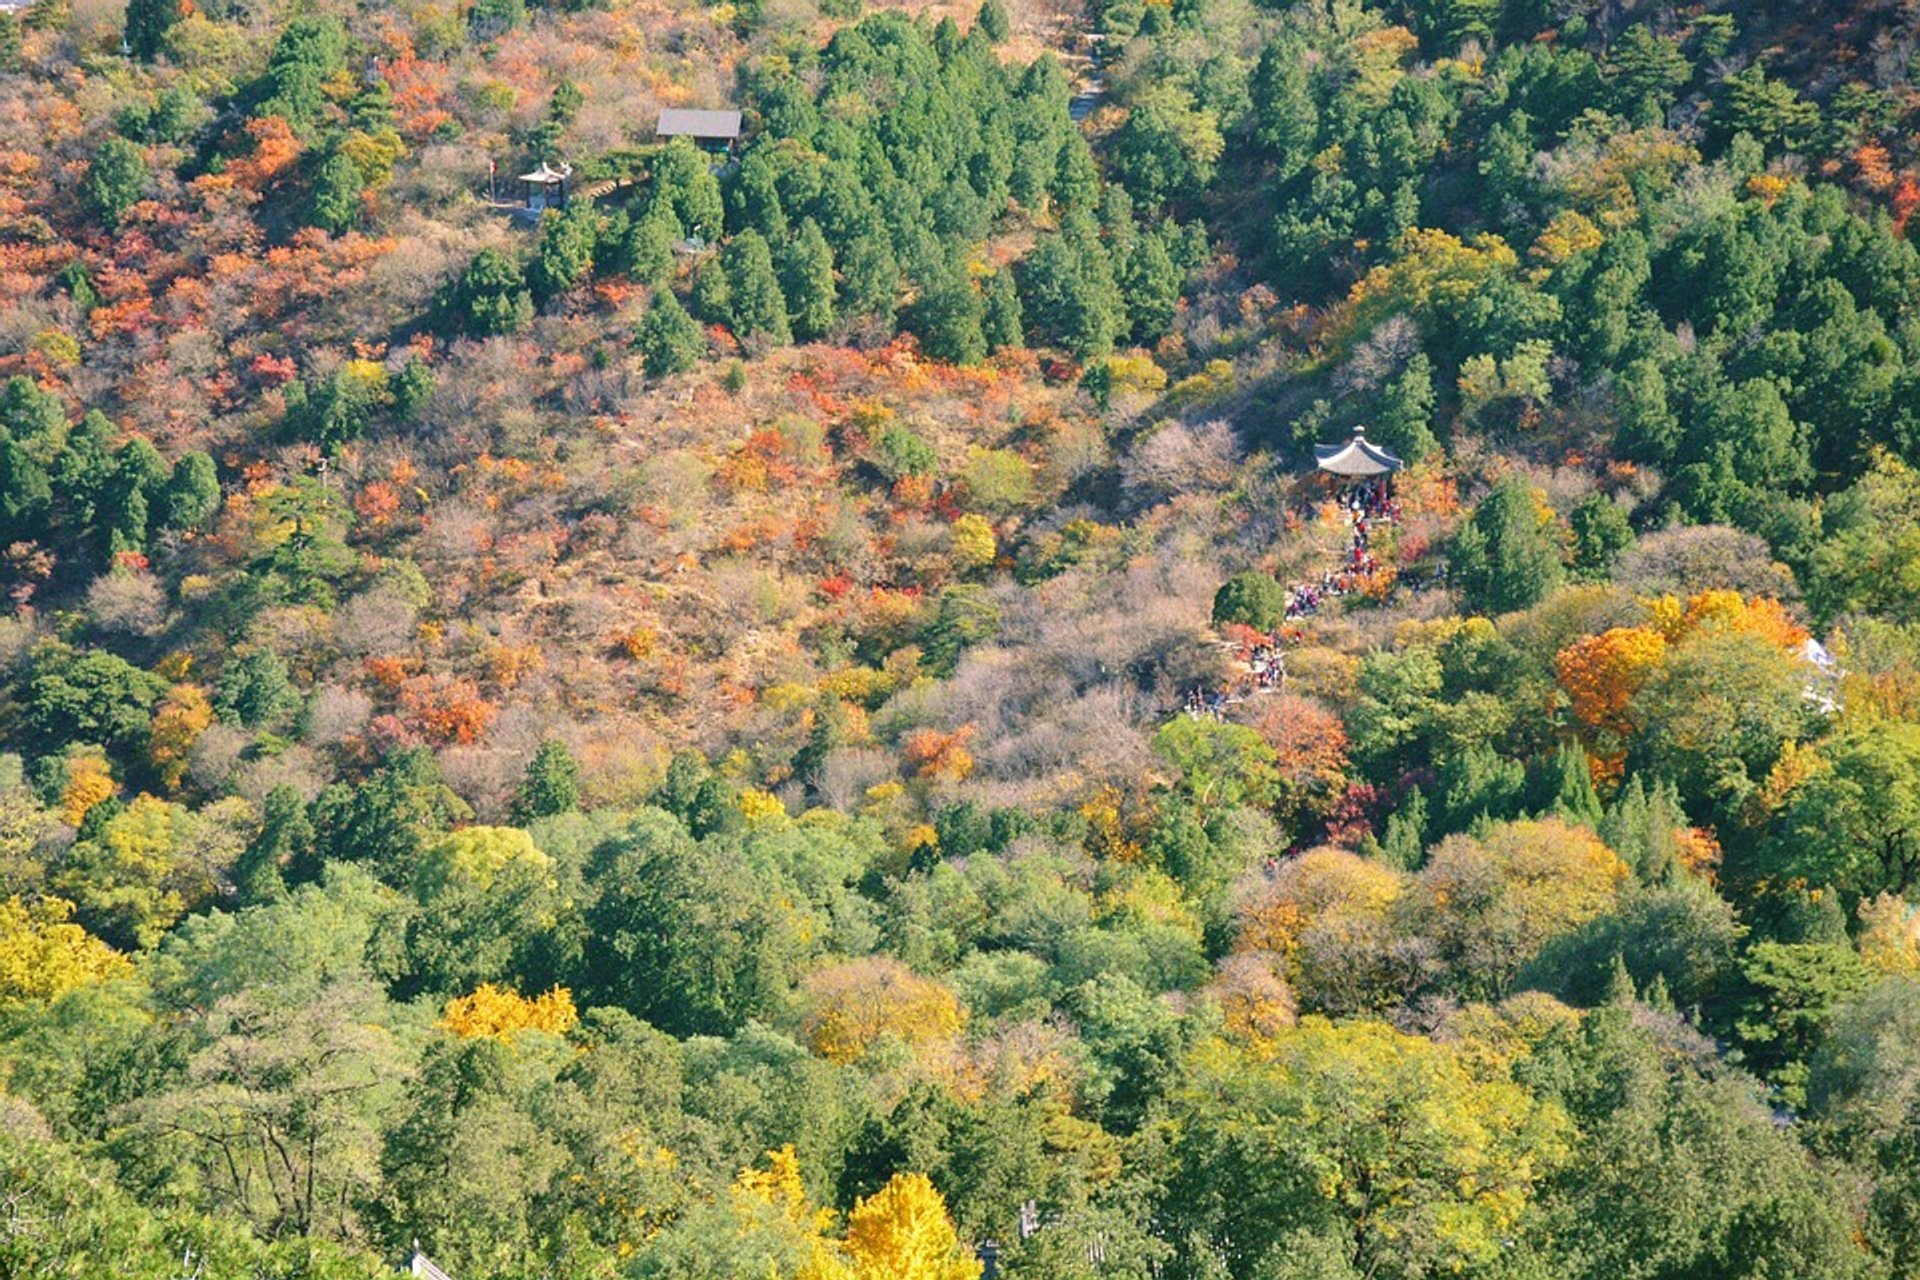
[(807, 714)]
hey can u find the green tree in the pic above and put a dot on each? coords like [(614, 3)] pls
[(565, 256), (90, 696), (551, 785), (1150, 286), (116, 180), (255, 690), (311, 50), (646, 252), (1220, 765), (690, 936), (992, 21), (491, 296), (947, 319), (1068, 294), (147, 24), (192, 493), (869, 277), (967, 616), (1600, 533), (1252, 599), (669, 340), (1000, 322), (334, 204), (1286, 118), (1507, 555), (1680, 1169), (1354, 1149), (755, 305), (1790, 993), (806, 278), (1853, 823), (1403, 422)]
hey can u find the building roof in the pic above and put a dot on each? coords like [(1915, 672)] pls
[(547, 173), (1357, 457), (677, 122), (421, 1267)]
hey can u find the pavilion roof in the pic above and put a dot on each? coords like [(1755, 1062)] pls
[(1357, 457), (547, 173)]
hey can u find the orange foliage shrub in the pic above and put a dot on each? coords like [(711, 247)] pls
[(934, 753), (446, 709), (88, 783), (1310, 748), (1602, 673), (177, 725)]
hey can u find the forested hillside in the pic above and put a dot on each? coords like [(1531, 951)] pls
[(808, 716)]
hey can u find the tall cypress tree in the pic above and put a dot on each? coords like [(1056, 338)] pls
[(806, 278), (755, 303)]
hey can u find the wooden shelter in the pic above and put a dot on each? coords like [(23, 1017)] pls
[(716, 131)]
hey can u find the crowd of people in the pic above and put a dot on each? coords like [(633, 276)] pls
[(1366, 505)]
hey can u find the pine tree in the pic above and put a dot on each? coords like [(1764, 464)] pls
[(754, 201), (646, 251), (946, 318), (712, 296), (192, 493), (491, 296), (334, 204), (551, 785), (1286, 121), (669, 339), (1402, 422), (147, 24), (870, 277), (1506, 557), (1405, 843), (116, 179), (1001, 323), (1067, 291), (1641, 825), (1150, 284), (755, 303), (992, 21), (565, 256), (1574, 797), (806, 279)]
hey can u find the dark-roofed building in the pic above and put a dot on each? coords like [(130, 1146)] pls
[(708, 130)]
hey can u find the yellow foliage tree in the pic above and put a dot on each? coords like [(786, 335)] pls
[(177, 725), (854, 1006), (974, 546), (1491, 901), (1256, 1004), (780, 1185), (43, 956), (1321, 885), (1890, 935), (1761, 616), (89, 781), (502, 1014), (903, 1232)]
